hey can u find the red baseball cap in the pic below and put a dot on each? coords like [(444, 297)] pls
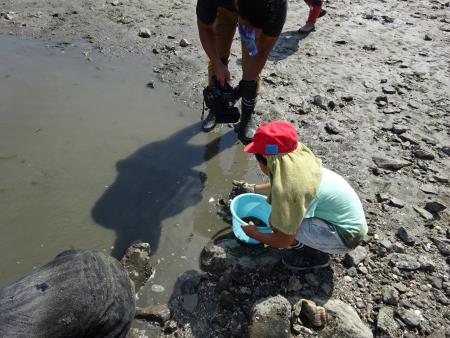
[(273, 138)]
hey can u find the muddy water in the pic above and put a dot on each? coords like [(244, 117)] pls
[(92, 158)]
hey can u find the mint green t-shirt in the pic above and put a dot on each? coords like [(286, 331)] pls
[(336, 202)]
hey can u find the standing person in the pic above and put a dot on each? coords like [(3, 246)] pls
[(260, 23), (315, 212), (315, 12)]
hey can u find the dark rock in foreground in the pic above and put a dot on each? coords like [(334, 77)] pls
[(77, 294)]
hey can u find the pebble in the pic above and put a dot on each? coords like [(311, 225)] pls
[(144, 32), (410, 317), (397, 202), (184, 43), (331, 129), (424, 214), (158, 288), (388, 90)]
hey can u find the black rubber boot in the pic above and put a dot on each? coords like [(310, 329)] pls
[(209, 122), (246, 128)]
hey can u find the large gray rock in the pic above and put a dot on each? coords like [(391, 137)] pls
[(270, 318), (347, 322), (386, 323)]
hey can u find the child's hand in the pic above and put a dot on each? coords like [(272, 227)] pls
[(250, 229)]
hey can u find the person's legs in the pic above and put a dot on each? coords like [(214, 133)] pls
[(318, 238), (224, 29), (315, 11), (321, 235)]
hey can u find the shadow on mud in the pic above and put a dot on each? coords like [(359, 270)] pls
[(156, 182), (287, 45)]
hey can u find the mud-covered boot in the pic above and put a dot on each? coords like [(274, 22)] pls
[(246, 128)]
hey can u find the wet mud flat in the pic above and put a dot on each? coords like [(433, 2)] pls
[(95, 154)]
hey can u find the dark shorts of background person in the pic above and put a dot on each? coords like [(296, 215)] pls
[(276, 10), (223, 16)]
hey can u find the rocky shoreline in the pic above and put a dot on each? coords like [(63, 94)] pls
[(369, 93)]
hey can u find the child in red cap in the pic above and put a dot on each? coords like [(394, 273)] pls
[(315, 212)]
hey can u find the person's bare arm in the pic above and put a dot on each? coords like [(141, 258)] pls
[(208, 41), (262, 188), (275, 239), (264, 44)]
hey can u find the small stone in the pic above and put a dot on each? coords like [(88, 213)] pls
[(388, 90), (424, 214), (363, 269), (158, 288), (320, 101), (151, 84), (437, 283), (406, 236), (427, 37), (347, 98), (184, 43), (400, 287), (435, 206), (390, 164), (348, 279), (390, 296), (331, 129), (446, 150), (386, 322), (399, 129), (387, 244), (355, 256), (390, 111), (442, 245), (144, 32), (383, 100), (409, 317), (382, 197), (397, 202), (407, 137), (405, 262), (428, 189), (352, 272), (423, 154)]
